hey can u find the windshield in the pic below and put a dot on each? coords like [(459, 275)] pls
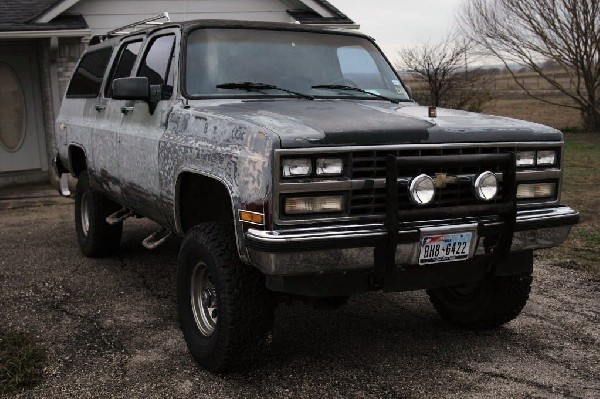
[(291, 60)]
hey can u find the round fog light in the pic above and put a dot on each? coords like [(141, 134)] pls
[(422, 190), (486, 186)]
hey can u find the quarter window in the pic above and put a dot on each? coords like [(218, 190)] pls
[(156, 64), (123, 64), (87, 78)]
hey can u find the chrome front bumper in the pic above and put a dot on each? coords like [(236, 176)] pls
[(351, 247)]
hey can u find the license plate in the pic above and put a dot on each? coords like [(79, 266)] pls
[(445, 248)]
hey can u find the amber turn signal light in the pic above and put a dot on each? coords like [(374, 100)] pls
[(251, 217)]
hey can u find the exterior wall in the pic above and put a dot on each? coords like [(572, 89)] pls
[(69, 51), (105, 15), (43, 48)]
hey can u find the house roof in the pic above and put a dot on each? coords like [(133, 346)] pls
[(41, 15), (310, 16), (22, 11), (18, 15)]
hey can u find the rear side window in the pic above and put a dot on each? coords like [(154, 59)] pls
[(157, 64), (123, 64), (87, 79)]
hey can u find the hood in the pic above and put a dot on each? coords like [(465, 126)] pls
[(302, 123)]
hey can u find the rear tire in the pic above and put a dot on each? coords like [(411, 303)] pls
[(225, 309), (489, 303), (96, 237)]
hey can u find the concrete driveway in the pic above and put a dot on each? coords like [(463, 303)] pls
[(111, 329)]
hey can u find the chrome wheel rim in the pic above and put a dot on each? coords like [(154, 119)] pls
[(85, 216), (204, 300)]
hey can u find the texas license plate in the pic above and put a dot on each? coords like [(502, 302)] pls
[(445, 248)]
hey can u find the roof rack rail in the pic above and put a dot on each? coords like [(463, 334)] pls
[(124, 30)]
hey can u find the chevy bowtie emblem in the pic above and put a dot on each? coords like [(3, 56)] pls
[(442, 179)]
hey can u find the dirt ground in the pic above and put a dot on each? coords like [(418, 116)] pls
[(111, 330)]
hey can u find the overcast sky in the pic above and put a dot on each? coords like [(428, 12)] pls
[(398, 23)]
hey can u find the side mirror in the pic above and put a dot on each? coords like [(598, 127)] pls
[(137, 88)]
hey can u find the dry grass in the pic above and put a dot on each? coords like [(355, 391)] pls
[(582, 192), (21, 362), (535, 111), (512, 101)]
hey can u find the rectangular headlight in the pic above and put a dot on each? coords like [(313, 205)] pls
[(304, 205), (329, 166), (297, 167), (546, 158), (525, 158), (536, 190)]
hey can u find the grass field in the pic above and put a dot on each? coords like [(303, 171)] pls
[(581, 191), (510, 100), (535, 111)]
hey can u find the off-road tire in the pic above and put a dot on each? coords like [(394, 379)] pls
[(245, 306), (101, 239), (494, 301)]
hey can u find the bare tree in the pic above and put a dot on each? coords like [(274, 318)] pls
[(446, 70), (530, 32)]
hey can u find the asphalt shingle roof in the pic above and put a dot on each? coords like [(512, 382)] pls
[(17, 15), (22, 11)]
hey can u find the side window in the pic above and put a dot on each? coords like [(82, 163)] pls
[(359, 66), (123, 64), (87, 79), (156, 64)]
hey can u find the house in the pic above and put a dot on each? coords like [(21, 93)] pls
[(41, 41)]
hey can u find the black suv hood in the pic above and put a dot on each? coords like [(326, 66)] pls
[(302, 123)]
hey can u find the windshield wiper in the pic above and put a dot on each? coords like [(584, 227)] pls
[(344, 87), (258, 86)]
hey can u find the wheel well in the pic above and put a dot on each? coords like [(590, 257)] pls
[(202, 199), (77, 160)]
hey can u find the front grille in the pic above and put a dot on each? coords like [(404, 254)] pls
[(371, 165)]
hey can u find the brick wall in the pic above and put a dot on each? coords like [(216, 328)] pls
[(69, 51)]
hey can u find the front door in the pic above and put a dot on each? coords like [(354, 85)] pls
[(22, 144), (144, 125)]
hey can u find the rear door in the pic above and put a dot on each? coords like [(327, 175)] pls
[(144, 125), (78, 113)]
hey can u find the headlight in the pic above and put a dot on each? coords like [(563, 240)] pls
[(525, 158), (325, 204), (536, 190), (486, 186), (329, 166), (297, 167), (422, 190), (546, 158)]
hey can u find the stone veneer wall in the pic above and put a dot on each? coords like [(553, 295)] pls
[(69, 51)]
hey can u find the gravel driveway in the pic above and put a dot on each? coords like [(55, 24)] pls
[(111, 329)]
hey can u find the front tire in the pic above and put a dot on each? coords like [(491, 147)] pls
[(489, 303), (225, 310), (96, 237)]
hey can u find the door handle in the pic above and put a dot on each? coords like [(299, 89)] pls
[(126, 110), (100, 107)]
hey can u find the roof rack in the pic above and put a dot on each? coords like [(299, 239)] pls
[(124, 30)]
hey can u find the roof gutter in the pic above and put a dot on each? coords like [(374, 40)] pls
[(41, 34), (335, 26)]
